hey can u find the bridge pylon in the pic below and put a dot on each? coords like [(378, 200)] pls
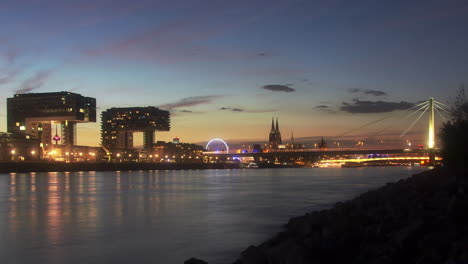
[(431, 137)]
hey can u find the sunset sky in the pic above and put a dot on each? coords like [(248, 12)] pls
[(225, 68)]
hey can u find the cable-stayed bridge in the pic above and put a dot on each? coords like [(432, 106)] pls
[(430, 106)]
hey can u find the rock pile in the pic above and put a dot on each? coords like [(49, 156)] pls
[(422, 219)]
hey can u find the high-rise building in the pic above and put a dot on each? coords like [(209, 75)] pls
[(119, 124), (275, 135), (34, 114)]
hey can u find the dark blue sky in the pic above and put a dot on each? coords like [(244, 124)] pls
[(224, 68)]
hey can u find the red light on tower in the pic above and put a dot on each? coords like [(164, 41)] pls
[(56, 138)]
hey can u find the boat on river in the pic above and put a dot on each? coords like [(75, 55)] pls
[(252, 165)]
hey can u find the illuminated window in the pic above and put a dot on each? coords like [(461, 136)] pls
[(22, 128)]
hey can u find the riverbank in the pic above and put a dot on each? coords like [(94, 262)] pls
[(422, 219)]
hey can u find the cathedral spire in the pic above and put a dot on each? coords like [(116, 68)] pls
[(275, 135)]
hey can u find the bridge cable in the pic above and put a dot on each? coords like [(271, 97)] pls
[(363, 126), (441, 108), (414, 122), (437, 102), (421, 108), (440, 114)]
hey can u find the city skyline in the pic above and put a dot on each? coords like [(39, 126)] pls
[(224, 69)]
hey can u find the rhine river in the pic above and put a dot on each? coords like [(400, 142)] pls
[(164, 216)]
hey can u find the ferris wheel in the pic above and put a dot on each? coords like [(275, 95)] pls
[(217, 145)]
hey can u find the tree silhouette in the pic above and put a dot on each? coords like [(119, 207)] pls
[(454, 133)]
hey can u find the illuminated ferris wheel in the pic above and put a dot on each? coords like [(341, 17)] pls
[(217, 145)]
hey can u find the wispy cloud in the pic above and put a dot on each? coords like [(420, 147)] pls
[(278, 88), (34, 82), (8, 76), (186, 38), (190, 101), (9, 69), (367, 107)]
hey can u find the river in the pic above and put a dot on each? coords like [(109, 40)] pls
[(164, 216)]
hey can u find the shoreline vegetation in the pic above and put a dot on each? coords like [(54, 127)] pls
[(421, 219)]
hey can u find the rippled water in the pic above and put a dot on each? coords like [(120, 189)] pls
[(163, 216)]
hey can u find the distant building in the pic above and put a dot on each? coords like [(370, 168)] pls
[(119, 124), (257, 148), (176, 152), (18, 147), (323, 145), (275, 135), (293, 145), (176, 140), (34, 113)]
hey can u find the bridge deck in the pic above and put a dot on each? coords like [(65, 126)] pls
[(317, 152)]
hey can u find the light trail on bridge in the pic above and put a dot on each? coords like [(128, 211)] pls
[(375, 159)]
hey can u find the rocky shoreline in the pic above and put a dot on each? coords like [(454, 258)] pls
[(422, 219)]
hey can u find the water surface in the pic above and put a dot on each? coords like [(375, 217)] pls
[(164, 216)]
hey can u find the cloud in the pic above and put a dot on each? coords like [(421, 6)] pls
[(278, 88), (325, 108), (367, 107), (190, 101), (231, 109), (7, 77), (367, 92), (322, 107), (34, 82), (9, 69), (186, 111), (187, 38)]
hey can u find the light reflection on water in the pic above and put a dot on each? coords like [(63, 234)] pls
[(163, 216)]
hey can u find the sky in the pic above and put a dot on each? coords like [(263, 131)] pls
[(224, 68)]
